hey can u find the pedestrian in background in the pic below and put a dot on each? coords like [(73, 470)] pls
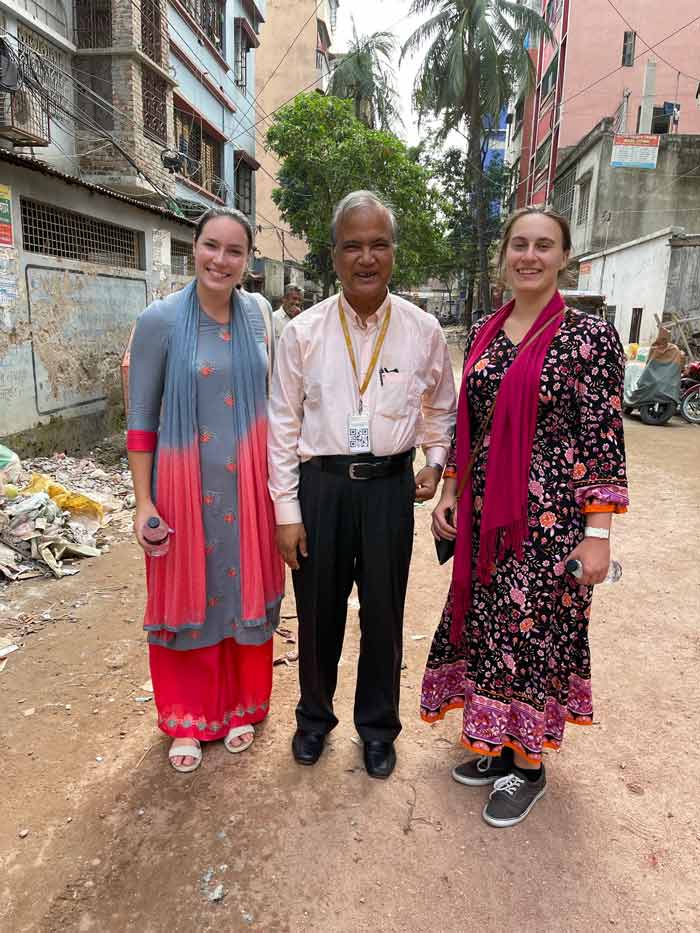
[(361, 379), (540, 455), (197, 451), (291, 307)]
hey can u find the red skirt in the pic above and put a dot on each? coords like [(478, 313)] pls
[(204, 692)]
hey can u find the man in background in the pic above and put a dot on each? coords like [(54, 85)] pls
[(292, 305)]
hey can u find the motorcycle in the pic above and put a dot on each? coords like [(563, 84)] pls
[(689, 406), (654, 387)]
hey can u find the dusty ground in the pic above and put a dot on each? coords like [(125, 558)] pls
[(118, 842)]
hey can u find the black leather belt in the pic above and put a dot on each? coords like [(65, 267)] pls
[(362, 466)]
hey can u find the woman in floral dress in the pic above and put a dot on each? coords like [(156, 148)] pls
[(511, 649)]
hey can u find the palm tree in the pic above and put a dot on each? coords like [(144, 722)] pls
[(477, 55), (365, 75)]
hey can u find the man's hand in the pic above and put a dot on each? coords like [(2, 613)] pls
[(291, 541), (426, 483), (594, 554)]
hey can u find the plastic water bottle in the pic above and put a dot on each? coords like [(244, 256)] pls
[(575, 568), (156, 533)]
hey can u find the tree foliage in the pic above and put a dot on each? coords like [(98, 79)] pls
[(325, 153), (365, 76)]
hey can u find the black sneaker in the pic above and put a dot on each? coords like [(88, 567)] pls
[(512, 798), (485, 770)]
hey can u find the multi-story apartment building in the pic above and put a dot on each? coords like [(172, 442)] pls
[(598, 67), (281, 73)]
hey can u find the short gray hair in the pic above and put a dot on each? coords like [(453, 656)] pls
[(355, 200), (288, 289)]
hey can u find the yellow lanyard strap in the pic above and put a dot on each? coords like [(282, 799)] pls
[(375, 353)]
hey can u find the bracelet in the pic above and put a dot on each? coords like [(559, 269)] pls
[(590, 532)]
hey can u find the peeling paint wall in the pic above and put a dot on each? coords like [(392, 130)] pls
[(64, 324)]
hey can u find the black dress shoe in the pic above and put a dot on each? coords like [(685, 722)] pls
[(307, 746), (380, 758)]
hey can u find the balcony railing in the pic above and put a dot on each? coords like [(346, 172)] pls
[(209, 15), (152, 30), (93, 24), (154, 96)]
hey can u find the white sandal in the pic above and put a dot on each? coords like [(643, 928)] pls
[(234, 733), (185, 751)]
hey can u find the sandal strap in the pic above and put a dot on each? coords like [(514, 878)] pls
[(185, 751), (240, 730)]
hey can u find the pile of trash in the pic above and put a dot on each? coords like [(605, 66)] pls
[(55, 511)]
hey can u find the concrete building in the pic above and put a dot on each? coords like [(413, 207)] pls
[(519, 132), (281, 73), (657, 275), (601, 66), (78, 263), (609, 204)]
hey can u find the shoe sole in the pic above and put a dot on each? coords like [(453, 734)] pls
[(475, 782), (513, 821)]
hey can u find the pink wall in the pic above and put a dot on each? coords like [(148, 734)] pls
[(595, 38)]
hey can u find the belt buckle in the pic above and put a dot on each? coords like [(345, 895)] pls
[(353, 467)]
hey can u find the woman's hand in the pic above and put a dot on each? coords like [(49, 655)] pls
[(594, 555), (444, 525), (143, 512)]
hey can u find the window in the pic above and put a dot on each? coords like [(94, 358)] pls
[(244, 188), (203, 153), (519, 116), (54, 231), (661, 121), (628, 45), (564, 194), (636, 325), (240, 63), (550, 79), (610, 314), (542, 157), (584, 196), (95, 73), (93, 24), (154, 90), (46, 63), (152, 30), (209, 16), (181, 258)]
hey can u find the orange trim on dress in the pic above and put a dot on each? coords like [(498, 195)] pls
[(592, 508)]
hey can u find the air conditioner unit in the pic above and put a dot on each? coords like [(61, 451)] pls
[(24, 117)]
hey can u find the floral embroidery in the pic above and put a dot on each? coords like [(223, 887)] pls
[(579, 470), (225, 335), (205, 436), (206, 370), (547, 519), (228, 399)]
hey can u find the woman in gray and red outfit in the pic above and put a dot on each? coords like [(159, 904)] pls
[(511, 649)]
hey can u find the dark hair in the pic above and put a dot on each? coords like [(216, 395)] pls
[(558, 219), (232, 214)]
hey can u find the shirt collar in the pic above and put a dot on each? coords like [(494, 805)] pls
[(373, 320)]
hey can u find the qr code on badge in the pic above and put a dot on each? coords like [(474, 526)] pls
[(358, 436)]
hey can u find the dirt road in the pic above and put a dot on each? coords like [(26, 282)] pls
[(116, 841)]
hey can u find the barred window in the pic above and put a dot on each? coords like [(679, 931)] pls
[(54, 231), (181, 258), (93, 24), (209, 15), (154, 91), (564, 194), (203, 154), (152, 29), (95, 74), (584, 196), (240, 64), (244, 188)]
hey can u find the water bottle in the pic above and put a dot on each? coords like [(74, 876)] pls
[(156, 533), (575, 568)]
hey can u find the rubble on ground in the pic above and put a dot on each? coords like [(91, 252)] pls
[(59, 510)]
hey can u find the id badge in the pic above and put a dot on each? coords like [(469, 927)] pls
[(358, 434)]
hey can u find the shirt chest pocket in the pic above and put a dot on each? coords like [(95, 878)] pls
[(397, 395)]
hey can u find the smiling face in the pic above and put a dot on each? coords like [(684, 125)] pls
[(221, 255), (534, 255), (363, 256)]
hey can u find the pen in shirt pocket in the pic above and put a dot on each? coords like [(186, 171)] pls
[(382, 372)]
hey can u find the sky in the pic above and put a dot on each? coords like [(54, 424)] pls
[(375, 16)]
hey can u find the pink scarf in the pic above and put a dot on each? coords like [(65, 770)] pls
[(504, 514)]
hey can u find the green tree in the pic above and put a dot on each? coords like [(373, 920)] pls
[(326, 152), (477, 53), (365, 76)]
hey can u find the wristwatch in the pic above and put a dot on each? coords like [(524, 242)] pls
[(435, 466), (591, 532)]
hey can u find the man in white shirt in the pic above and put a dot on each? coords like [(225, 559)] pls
[(289, 309), (361, 379)]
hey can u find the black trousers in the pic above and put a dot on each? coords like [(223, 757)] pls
[(358, 531)]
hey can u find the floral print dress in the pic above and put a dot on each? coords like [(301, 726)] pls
[(523, 668)]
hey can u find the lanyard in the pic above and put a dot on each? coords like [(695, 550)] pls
[(378, 344)]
